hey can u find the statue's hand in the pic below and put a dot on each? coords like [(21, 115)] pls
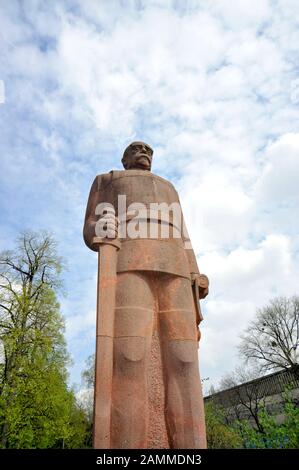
[(107, 225), (203, 284)]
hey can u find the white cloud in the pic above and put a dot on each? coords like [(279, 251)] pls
[(242, 14), (77, 324), (241, 281), (217, 209), (279, 181), (223, 321), (209, 85), (252, 270)]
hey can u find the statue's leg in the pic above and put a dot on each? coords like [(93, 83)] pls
[(134, 318), (184, 402)]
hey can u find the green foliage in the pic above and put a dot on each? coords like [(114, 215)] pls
[(87, 397), (219, 434), (41, 412), (275, 436), (242, 434), (37, 410), (88, 372)]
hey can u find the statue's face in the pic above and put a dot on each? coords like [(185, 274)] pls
[(139, 157)]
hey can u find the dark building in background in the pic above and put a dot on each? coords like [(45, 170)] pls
[(243, 401)]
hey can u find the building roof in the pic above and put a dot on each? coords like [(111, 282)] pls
[(268, 385)]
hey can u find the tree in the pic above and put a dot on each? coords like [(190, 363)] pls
[(89, 372), (274, 436), (219, 434), (241, 434), (36, 407), (86, 395), (244, 398), (272, 338)]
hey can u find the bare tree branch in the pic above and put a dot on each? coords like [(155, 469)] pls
[(272, 338)]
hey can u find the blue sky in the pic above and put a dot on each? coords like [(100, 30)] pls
[(212, 86)]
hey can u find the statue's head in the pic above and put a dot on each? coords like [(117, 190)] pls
[(138, 156)]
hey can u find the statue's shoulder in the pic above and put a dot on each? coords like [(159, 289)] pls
[(116, 174), (163, 180), (102, 180)]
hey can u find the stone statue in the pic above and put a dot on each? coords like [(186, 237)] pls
[(148, 391)]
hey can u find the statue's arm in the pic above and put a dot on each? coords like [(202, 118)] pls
[(96, 196), (201, 279), (193, 267)]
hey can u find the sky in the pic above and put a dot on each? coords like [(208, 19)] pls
[(213, 87)]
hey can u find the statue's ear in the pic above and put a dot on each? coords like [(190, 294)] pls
[(124, 161)]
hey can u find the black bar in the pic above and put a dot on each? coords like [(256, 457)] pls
[(91, 458)]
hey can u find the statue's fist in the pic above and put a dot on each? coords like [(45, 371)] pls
[(203, 284), (107, 225)]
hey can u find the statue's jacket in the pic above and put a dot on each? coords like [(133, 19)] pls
[(150, 251)]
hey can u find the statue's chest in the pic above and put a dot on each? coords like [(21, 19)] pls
[(144, 189)]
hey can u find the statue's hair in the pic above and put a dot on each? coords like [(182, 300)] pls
[(127, 151)]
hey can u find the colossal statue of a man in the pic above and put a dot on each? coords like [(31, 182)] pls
[(154, 390)]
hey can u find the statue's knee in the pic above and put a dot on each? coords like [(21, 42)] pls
[(183, 354), (130, 355)]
